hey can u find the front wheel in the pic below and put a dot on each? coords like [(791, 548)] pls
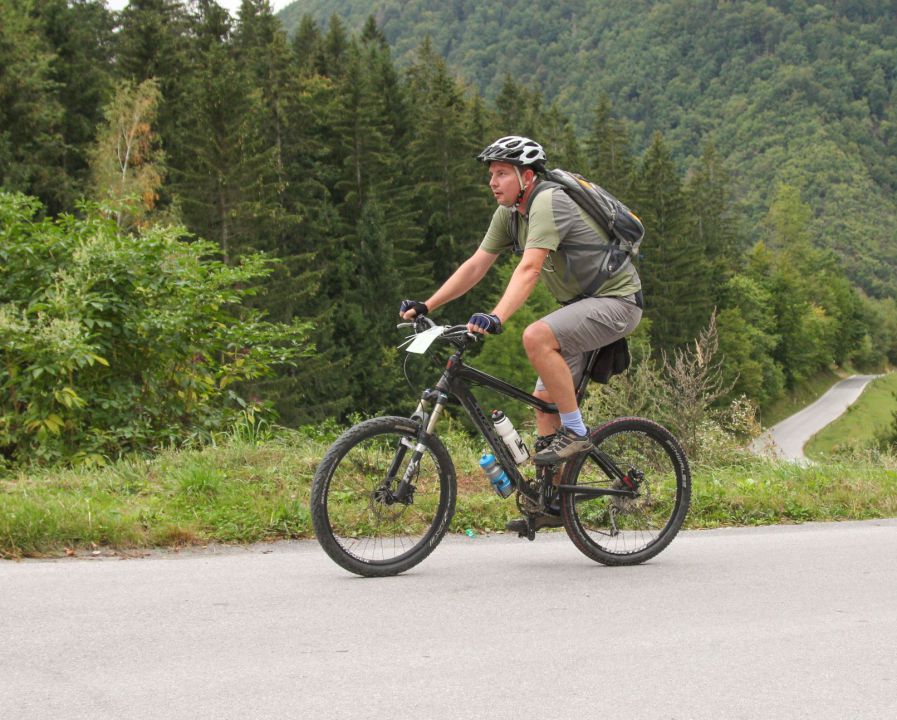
[(375, 511), (644, 471)]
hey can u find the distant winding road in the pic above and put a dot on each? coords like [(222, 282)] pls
[(787, 439)]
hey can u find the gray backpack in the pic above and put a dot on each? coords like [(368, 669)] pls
[(624, 230)]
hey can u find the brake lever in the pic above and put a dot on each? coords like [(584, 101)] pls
[(421, 320)]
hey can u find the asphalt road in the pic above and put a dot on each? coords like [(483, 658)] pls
[(780, 622), (787, 439)]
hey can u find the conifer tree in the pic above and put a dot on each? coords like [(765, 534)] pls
[(31, 116), (80, 35), (442, 165), (307, 45), (154, 41), (222, 169), (262, 48), (673, 268), (334, 47), (518, 109), (715, 230), (479, 122), (610, 161), (368, 188), (557, 136)]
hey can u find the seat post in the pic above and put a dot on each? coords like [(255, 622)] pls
[(591, 356)]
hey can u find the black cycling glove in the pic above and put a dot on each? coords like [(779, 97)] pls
[(489, 323), (418, 307)]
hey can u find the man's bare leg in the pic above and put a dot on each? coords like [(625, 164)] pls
[(544, 353)]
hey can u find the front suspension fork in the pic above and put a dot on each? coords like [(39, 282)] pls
[(405, 487)]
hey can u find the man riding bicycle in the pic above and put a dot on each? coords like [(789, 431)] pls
[(552, 235)]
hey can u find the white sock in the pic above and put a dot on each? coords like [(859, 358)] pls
[(573, 421)]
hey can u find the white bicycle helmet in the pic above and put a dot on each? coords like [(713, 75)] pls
[(515, 150)]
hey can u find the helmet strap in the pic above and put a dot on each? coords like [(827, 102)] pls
[(522, 186)]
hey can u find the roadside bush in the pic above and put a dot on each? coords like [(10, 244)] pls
[(114, 342), (685, 392)]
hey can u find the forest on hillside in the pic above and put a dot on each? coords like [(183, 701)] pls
[(788, 91), (201, 212)]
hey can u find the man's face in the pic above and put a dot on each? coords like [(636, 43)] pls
[(504, 183)]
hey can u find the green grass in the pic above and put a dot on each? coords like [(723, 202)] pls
[(763, 493), (242, 492), (233, 494), (862, 425)]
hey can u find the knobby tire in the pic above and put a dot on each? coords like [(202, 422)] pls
[(356, 527), (616, 530)]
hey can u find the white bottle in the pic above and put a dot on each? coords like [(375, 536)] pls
[(505, 428)]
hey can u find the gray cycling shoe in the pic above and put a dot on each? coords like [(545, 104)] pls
[(566, 445)]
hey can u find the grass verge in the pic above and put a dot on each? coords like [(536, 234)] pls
[(863, 423), (246, 492)]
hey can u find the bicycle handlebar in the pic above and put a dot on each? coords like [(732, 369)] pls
[(458, 335)]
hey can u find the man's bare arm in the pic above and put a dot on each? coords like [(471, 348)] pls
[(463, 279), (522, 282)]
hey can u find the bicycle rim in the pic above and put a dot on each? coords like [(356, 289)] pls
[(637, 454), (361, 528)]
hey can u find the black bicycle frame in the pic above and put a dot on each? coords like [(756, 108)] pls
[(458, 388), (455, 383)]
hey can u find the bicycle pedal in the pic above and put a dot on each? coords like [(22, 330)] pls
[(524, 527), (530, 533)]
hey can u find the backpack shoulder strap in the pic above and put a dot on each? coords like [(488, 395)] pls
[(514, 225), (541, 186)]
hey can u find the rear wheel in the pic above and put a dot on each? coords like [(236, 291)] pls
[(362, 518), (644, 461)]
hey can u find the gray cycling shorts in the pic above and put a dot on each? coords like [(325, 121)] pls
[(589, 324)]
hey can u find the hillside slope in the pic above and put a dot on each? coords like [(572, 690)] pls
[(790, 92)]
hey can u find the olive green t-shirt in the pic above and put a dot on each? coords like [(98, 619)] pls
[(558, 224)]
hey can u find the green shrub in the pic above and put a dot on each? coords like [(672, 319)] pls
[(113, 342)]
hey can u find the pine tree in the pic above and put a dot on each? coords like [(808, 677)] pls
[(370, 313), (80, 34), (333, 49), (673, 268), (154, 41), (518, 109), (262, 50), (610, 161), (557, 136), (222, 168), (306, 44), (715, 230), (368, 188), (31, 116), (442, 166)]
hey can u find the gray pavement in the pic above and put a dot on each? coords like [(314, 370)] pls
[(779, 622), (786, 440)]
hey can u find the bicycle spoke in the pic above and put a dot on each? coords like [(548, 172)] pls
[(363, 518), (636, 456)]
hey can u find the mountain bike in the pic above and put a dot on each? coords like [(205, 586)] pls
[(384, 494)]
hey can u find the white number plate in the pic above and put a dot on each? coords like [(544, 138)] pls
[(424, 340)]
